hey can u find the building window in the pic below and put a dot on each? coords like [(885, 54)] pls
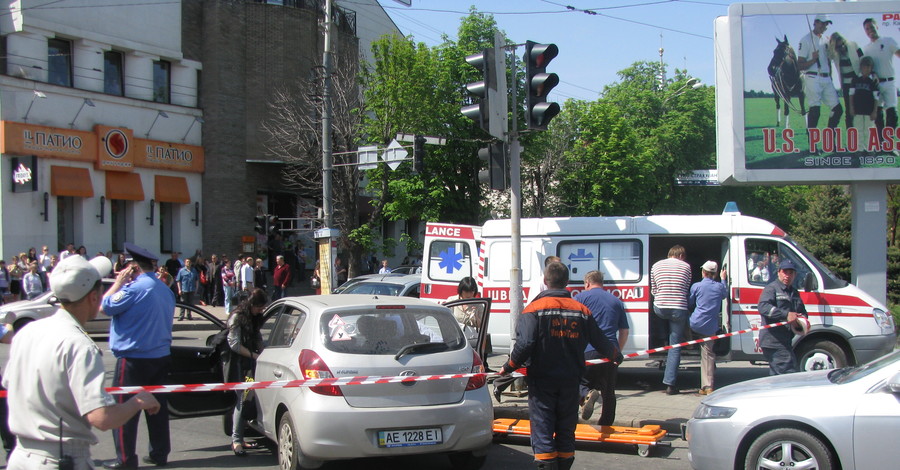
[(162, 81), (118, 221), (65, 221), (59, 62), (113, 73), (3, 55), (166, 222)]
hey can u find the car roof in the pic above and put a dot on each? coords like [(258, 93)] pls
[(392, 278), (353, 301)]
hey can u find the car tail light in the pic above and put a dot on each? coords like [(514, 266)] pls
[(390, 307), (313, 367), (477, 381)]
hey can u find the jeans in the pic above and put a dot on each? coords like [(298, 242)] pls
[(278, 293), (229, 291), (677, 324)]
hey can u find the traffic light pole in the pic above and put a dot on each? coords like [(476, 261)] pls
[(516, 299)]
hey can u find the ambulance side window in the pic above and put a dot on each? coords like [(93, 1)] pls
[(449, 261), (764, 257), (618, 260)]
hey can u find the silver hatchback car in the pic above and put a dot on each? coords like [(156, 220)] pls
[(364, 335), (839, 418)]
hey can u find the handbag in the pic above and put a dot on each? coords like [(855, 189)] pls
[(314, 281), (203, 279)]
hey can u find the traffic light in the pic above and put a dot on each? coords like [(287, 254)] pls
[(538, 83), (479, 110), (259, 224), (271, 224), (496, 174), (418, 154)]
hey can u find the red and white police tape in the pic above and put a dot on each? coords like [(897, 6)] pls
[(370, 380)]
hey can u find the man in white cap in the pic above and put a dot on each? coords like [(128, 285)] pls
[(883, 51), (705, 301), (812, 55), (55, 377)]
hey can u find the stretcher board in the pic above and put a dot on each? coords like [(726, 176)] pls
[(643, 437)]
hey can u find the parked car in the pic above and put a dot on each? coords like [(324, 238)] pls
[(407, 270), (402, 285), (23, 312), (362, 335), (829, 419)]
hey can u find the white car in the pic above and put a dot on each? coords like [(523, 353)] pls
[(364, 335), (829, 419), (23, 312)]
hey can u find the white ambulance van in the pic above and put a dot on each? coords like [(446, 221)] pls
[(848, 326)]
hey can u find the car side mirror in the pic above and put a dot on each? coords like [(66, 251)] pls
[(809, 282), (894, 383)]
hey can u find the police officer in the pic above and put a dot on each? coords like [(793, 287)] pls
[(55, 377), (142, 309), (551, 336), (780, 302)]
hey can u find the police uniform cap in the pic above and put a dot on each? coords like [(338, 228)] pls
[(139, 254), (787, 264), (74, 277)]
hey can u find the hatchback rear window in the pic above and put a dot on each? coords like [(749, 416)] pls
[(389, 332)]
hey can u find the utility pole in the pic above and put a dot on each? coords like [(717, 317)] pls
[(327, 168), (325, 237)]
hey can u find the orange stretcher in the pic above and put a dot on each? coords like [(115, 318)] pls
[(642, 438)]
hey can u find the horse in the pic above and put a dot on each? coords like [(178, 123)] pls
[(784, 74)]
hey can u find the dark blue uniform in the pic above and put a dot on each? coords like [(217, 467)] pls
[(551, 336), (775, 302)]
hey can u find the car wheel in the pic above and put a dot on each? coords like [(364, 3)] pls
[(20, 323), (289, 454), (788, 448), (466, 461), (822, 354)]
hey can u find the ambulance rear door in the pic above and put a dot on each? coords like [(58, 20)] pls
[(452, 254)]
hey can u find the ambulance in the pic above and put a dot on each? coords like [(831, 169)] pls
[(848, 326)]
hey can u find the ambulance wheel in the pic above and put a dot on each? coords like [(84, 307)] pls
[(643, 450), (821, 354)]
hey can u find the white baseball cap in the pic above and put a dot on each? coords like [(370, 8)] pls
[(710, 266), (823, 18), (74, 277)]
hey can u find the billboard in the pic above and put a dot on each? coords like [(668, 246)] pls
[(788, 76)]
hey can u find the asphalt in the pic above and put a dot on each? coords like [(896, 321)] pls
[(640, 394)]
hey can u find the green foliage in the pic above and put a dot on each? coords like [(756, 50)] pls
[(822, 226)]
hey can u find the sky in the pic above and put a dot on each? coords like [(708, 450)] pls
[(593, 48)]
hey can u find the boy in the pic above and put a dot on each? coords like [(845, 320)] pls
[(863, 96)]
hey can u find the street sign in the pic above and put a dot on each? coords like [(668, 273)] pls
[(394, 154), (368, 157), (698, 178), (428, 140)]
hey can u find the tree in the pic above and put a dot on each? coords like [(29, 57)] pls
[(823, 226), (295, 136)]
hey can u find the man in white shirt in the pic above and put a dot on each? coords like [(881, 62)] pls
[(883, 50), (816, 66)]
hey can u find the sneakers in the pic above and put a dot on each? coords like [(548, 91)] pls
[(705, 391), (590, 399)]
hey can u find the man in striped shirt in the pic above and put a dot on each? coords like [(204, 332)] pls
[(670, 280)]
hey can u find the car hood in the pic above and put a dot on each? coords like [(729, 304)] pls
[(771, 386)]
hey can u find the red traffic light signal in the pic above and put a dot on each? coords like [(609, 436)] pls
[(538, 84)]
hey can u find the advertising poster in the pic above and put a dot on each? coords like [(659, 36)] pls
[(820, 90)]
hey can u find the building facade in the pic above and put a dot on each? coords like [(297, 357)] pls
[(140, 121), (99, 128)]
